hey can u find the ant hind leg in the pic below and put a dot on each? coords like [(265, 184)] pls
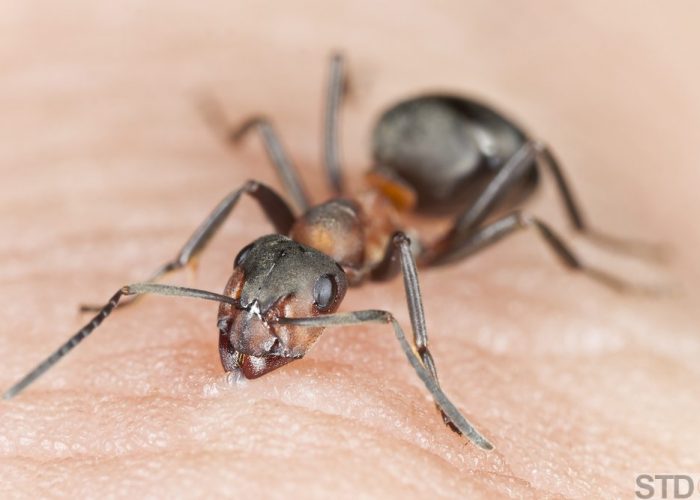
[(451, 248), (531, 154), (635, 248)]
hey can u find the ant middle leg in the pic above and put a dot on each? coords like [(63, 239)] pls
[(286, 171), (337, 86), (275, 208), (451, 248)]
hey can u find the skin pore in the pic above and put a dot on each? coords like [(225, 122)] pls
[(107, 167)]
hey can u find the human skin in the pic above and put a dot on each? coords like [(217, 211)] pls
[(107, 167)]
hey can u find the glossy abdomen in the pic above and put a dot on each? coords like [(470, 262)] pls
[(447, 149)]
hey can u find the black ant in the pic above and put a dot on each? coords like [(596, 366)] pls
[(432, 153)]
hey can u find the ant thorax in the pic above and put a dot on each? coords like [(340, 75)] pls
[(334, 228), (382, 219), (354, 232)]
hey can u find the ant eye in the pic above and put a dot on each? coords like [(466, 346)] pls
[(325, 292), (242, 255)]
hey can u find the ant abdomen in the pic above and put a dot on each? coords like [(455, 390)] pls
[(447, 149)]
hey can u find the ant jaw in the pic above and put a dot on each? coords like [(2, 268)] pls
[(261, 334), (250, 331), (249, 366), (254, 366)]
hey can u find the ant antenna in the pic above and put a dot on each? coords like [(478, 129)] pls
[(135, 289)]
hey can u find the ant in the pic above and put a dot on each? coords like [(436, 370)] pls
[(432, 154)]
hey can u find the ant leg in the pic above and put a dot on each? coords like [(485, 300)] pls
[(546, 157), (418, 355), (284, 167), (527, 157), (641, 249), (331, 148), (104, 311), (402, 246), (275, 208), (448, 409), (449, 249), (522, 161), (399, 258)]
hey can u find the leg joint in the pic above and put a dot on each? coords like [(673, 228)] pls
[(523, 219), (251, 186), (238, 132), (400, 239), (538, 145)]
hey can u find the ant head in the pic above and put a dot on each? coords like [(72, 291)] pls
[(275, 277)]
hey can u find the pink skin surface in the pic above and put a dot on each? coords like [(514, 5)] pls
[(107, 167)]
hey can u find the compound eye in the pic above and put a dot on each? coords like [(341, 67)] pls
[(242, 255), (325, 292)]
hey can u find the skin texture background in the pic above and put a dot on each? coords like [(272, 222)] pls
[(107, 167)]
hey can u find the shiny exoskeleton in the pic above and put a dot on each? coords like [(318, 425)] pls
[(448, 149), (432, 153)]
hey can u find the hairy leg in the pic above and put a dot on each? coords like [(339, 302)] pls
[(106, 167)]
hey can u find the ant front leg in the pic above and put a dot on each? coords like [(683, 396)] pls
[(418, 354), (275, 208)]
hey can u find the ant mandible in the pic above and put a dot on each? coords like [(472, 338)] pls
[(432, 153)]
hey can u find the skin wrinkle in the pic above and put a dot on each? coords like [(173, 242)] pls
[(107, 167), (140, 453)]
